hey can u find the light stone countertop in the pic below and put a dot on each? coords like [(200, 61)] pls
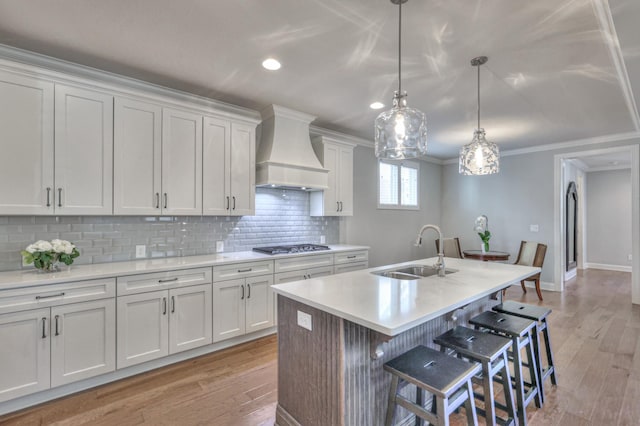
[(31, 277), (392, 306)]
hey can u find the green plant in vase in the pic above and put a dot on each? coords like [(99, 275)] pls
[(482, 228)]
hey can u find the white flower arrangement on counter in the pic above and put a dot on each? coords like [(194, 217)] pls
[(44, 254)]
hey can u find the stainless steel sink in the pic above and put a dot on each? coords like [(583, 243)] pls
[(412, 272)]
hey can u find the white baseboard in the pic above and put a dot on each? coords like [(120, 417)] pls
[(620, 268)]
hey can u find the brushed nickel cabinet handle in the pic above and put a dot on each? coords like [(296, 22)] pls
[(340, 205), (44, 327), (157, 200), (227, 203), (337, 206), (245, 270), (165, 200), (249, 291), (48, 197), (164, 306), (173, 304), (242, 297), (59, 197), (351, 257), (234, 202), (168, 280), (50, 296), (57, 325)]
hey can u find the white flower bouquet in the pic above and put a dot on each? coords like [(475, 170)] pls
[(481, 226), (44, 254)]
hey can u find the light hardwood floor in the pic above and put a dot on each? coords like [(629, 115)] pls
[(595, 334)]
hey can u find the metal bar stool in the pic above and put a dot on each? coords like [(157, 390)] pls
[(539, 315), (447, 378), (491, 351), (519, 330)]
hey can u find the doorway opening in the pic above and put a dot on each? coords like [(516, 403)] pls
[(565, 167)]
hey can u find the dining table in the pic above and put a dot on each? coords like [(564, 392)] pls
[(493, 256)]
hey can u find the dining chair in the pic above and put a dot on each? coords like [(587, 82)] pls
[(451, 247), (532, 254)]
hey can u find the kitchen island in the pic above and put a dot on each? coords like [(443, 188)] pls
[(335, 333)]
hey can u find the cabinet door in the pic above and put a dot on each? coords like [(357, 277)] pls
[(83, 340), (137, 157), (228, 309), (216, 162), (259, 303), (344, 184), (181, 163), (83, 151), (26, 131), (142, 328), (24, 357), (190, 317), (243, 167), (330, 196)]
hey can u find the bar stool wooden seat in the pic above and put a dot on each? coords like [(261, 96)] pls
[(539, 314), (446, 377), (519, 330), (490, 351)]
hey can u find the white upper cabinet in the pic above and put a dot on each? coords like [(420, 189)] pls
[(337, 157), (83, 152), (228, 168), (157, 160), (137, 157), (26, 129), (181, 162)]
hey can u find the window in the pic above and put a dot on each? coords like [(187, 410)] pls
[(398, 185)]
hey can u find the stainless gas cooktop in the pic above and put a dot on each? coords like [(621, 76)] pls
[(294, 248)]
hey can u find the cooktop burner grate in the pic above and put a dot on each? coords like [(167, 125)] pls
[(293, 248)]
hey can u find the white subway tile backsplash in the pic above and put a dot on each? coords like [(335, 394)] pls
[(279, 220)]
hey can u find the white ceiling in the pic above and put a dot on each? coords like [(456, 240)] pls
[(556, 71)]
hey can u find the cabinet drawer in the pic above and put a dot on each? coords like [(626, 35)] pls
[(352, 256), (56, 294), (303, 262), (142, 283), (242, 270), (348, 267), (285, 277)]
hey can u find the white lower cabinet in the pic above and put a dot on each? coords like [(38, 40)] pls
[(55, 346), (25, 353), (242, 306), (83, 341), (158, 323)]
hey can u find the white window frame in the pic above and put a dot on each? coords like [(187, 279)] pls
[(398, 206)]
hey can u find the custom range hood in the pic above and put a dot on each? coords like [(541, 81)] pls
[(285, 157)]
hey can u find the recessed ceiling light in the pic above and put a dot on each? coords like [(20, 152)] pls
[(376, 105), (271, 64)]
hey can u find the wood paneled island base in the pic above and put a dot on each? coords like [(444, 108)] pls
[(331, 376)]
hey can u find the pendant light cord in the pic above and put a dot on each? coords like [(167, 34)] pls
[(399, 48), (478, 96)]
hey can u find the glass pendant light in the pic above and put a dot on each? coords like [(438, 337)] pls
[(400, 132), (479, 157)]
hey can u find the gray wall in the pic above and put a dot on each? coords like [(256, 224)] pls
[(282, 216), (609, 217), (391, 233), (519, 196)]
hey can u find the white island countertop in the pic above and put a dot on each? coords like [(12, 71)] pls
[(391, 306)]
